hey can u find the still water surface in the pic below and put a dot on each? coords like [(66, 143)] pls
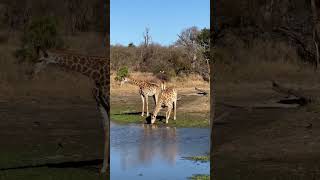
[(156, 152)]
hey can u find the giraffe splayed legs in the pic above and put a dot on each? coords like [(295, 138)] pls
[(167, 98)]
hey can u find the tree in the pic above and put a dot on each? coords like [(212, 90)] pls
[(42, 33), (196, 44), (203, 41), (187, 38), (146, 52), (146, 37), (131, 45), (315, 5)]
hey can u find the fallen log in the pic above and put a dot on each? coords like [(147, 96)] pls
[(303, 99), (262, 105), (203, 92)]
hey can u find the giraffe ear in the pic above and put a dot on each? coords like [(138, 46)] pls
[(43, 53)]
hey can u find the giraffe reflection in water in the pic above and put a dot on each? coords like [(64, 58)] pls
[(155, 142), (160, 140)]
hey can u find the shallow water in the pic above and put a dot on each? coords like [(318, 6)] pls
[(156, 152)]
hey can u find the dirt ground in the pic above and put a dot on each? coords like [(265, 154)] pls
[(270, 143), (43, 138)]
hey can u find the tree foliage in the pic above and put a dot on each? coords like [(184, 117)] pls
[(173, 60), (40, 33), (122, 73)]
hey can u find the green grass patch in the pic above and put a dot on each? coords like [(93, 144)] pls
[(200, 177), (127, 119), (129, 111), (183, 120), (199, 158)]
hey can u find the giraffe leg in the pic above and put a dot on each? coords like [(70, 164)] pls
[(175, 110), (147, 105), (105, 122), (103, 107), (155, 99), (168, 114), (142, 98)]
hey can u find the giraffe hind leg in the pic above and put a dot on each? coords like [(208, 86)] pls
[(168, 114)]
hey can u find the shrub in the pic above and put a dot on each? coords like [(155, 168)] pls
[(121, 73), (40, 33)]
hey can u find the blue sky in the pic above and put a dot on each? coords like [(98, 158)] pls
[(165, 19)]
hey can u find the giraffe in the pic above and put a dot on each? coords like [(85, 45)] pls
[(96, 68), (167, 98), (146, 89)]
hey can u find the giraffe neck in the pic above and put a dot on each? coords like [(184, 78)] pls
[(157, 108), (135, 82), (90, 66)]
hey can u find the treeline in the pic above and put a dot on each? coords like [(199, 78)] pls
[(242, 25), (189, 54), (73, 15)]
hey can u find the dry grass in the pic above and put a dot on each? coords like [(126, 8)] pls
[(260, 61), (190, 102), (181, 83)]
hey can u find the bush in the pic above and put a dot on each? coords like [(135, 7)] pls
[(40, 33), (122, 73)]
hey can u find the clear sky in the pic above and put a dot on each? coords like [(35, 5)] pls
[(165, 19)]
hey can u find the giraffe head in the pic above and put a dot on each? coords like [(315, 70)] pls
[(45, 58), (124, 80), (48, 57), (153, 118)]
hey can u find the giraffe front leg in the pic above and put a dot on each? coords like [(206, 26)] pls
[(168, 115), (155, 99), (147, 105), (105, 122), (175, 110), (103, 106), (142, 98)]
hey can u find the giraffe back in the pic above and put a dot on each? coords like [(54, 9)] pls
[(168, 96)]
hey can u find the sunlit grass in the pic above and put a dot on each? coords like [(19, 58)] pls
[(199, 158), (183, 120), (200, 177)]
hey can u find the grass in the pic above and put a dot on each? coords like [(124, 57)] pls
[(15, 158), (200, 177), (190, 120), (199, 158), (50, 173)]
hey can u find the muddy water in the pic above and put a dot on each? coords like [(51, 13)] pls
[(156, 152)]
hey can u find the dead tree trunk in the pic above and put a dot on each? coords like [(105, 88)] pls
[(315, 6)]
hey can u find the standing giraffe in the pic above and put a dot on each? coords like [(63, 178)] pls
[(167, 98), (94, 67), (146, 89)]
